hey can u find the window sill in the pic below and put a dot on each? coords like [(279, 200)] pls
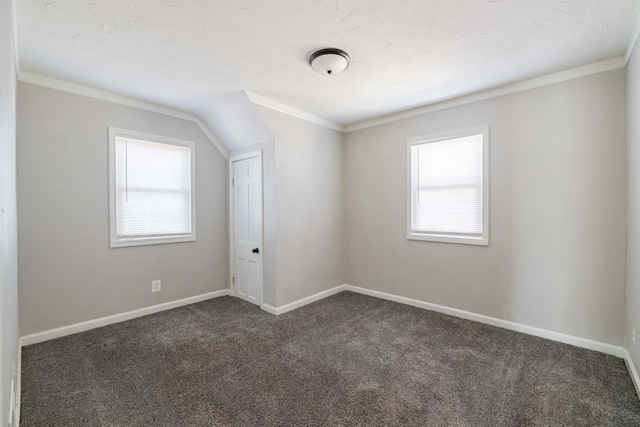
[(480, 241), (123, 243)]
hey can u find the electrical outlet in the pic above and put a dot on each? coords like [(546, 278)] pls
[(633, 336), (156, 286)]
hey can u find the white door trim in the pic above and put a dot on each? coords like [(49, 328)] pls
[(232, 159)]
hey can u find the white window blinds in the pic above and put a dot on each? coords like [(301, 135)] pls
[(447, 187), (151, 191)]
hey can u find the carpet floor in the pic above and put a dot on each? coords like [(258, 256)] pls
[(348, 360)]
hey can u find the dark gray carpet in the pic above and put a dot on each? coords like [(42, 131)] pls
[(349, 360)]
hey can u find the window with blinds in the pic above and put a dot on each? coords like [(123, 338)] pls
[(152, 193), (448, 187)]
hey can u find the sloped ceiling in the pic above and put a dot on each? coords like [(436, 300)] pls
[(198, 55)]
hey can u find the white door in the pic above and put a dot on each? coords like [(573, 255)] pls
[(247, 228)]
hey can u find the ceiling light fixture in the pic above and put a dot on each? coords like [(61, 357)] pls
[(329, 61)]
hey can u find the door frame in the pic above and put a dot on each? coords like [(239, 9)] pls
[(232, 159)]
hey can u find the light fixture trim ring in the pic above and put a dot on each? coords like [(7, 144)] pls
[(330, 51)]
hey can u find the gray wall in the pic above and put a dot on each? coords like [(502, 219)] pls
[(310, 208), (632, 296), (68, 273), (8, 219), (556, 258)]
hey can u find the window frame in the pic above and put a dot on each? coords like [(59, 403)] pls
[(114, 240), (448, 237)]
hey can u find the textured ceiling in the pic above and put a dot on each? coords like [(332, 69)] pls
[(191, 54)]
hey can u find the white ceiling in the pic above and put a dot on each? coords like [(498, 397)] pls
[(195, 54)]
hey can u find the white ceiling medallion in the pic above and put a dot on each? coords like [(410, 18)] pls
[(329, 61)]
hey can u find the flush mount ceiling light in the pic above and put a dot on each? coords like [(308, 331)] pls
[(329, 61)]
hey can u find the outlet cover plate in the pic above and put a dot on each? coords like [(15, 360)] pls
[(156, 286)]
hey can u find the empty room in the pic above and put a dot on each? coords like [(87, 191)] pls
[(319, 213)]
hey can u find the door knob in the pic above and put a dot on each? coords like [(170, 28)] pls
[(255, 250)]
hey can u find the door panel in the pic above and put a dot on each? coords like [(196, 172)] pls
[(247, 230)]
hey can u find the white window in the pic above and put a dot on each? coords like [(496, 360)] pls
[(448, 187), (151, 189)]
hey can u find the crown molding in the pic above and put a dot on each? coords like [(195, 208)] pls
[(632, 40), (14, 17), (102, 95), (562, 76), (283, 108)]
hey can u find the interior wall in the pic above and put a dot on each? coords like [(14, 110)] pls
[(310, 209), (556, 258), (269, 217), (632, 295), (68, 272), (8, 218)]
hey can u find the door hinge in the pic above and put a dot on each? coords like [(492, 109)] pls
[(233, 280), (233, 182)]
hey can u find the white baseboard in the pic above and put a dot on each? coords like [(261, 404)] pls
[(269, 309), (613, 350), (16, 408), (12, 402), (632, 371), (505, 324), (116, 318), (16, 415), (302, 302)]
